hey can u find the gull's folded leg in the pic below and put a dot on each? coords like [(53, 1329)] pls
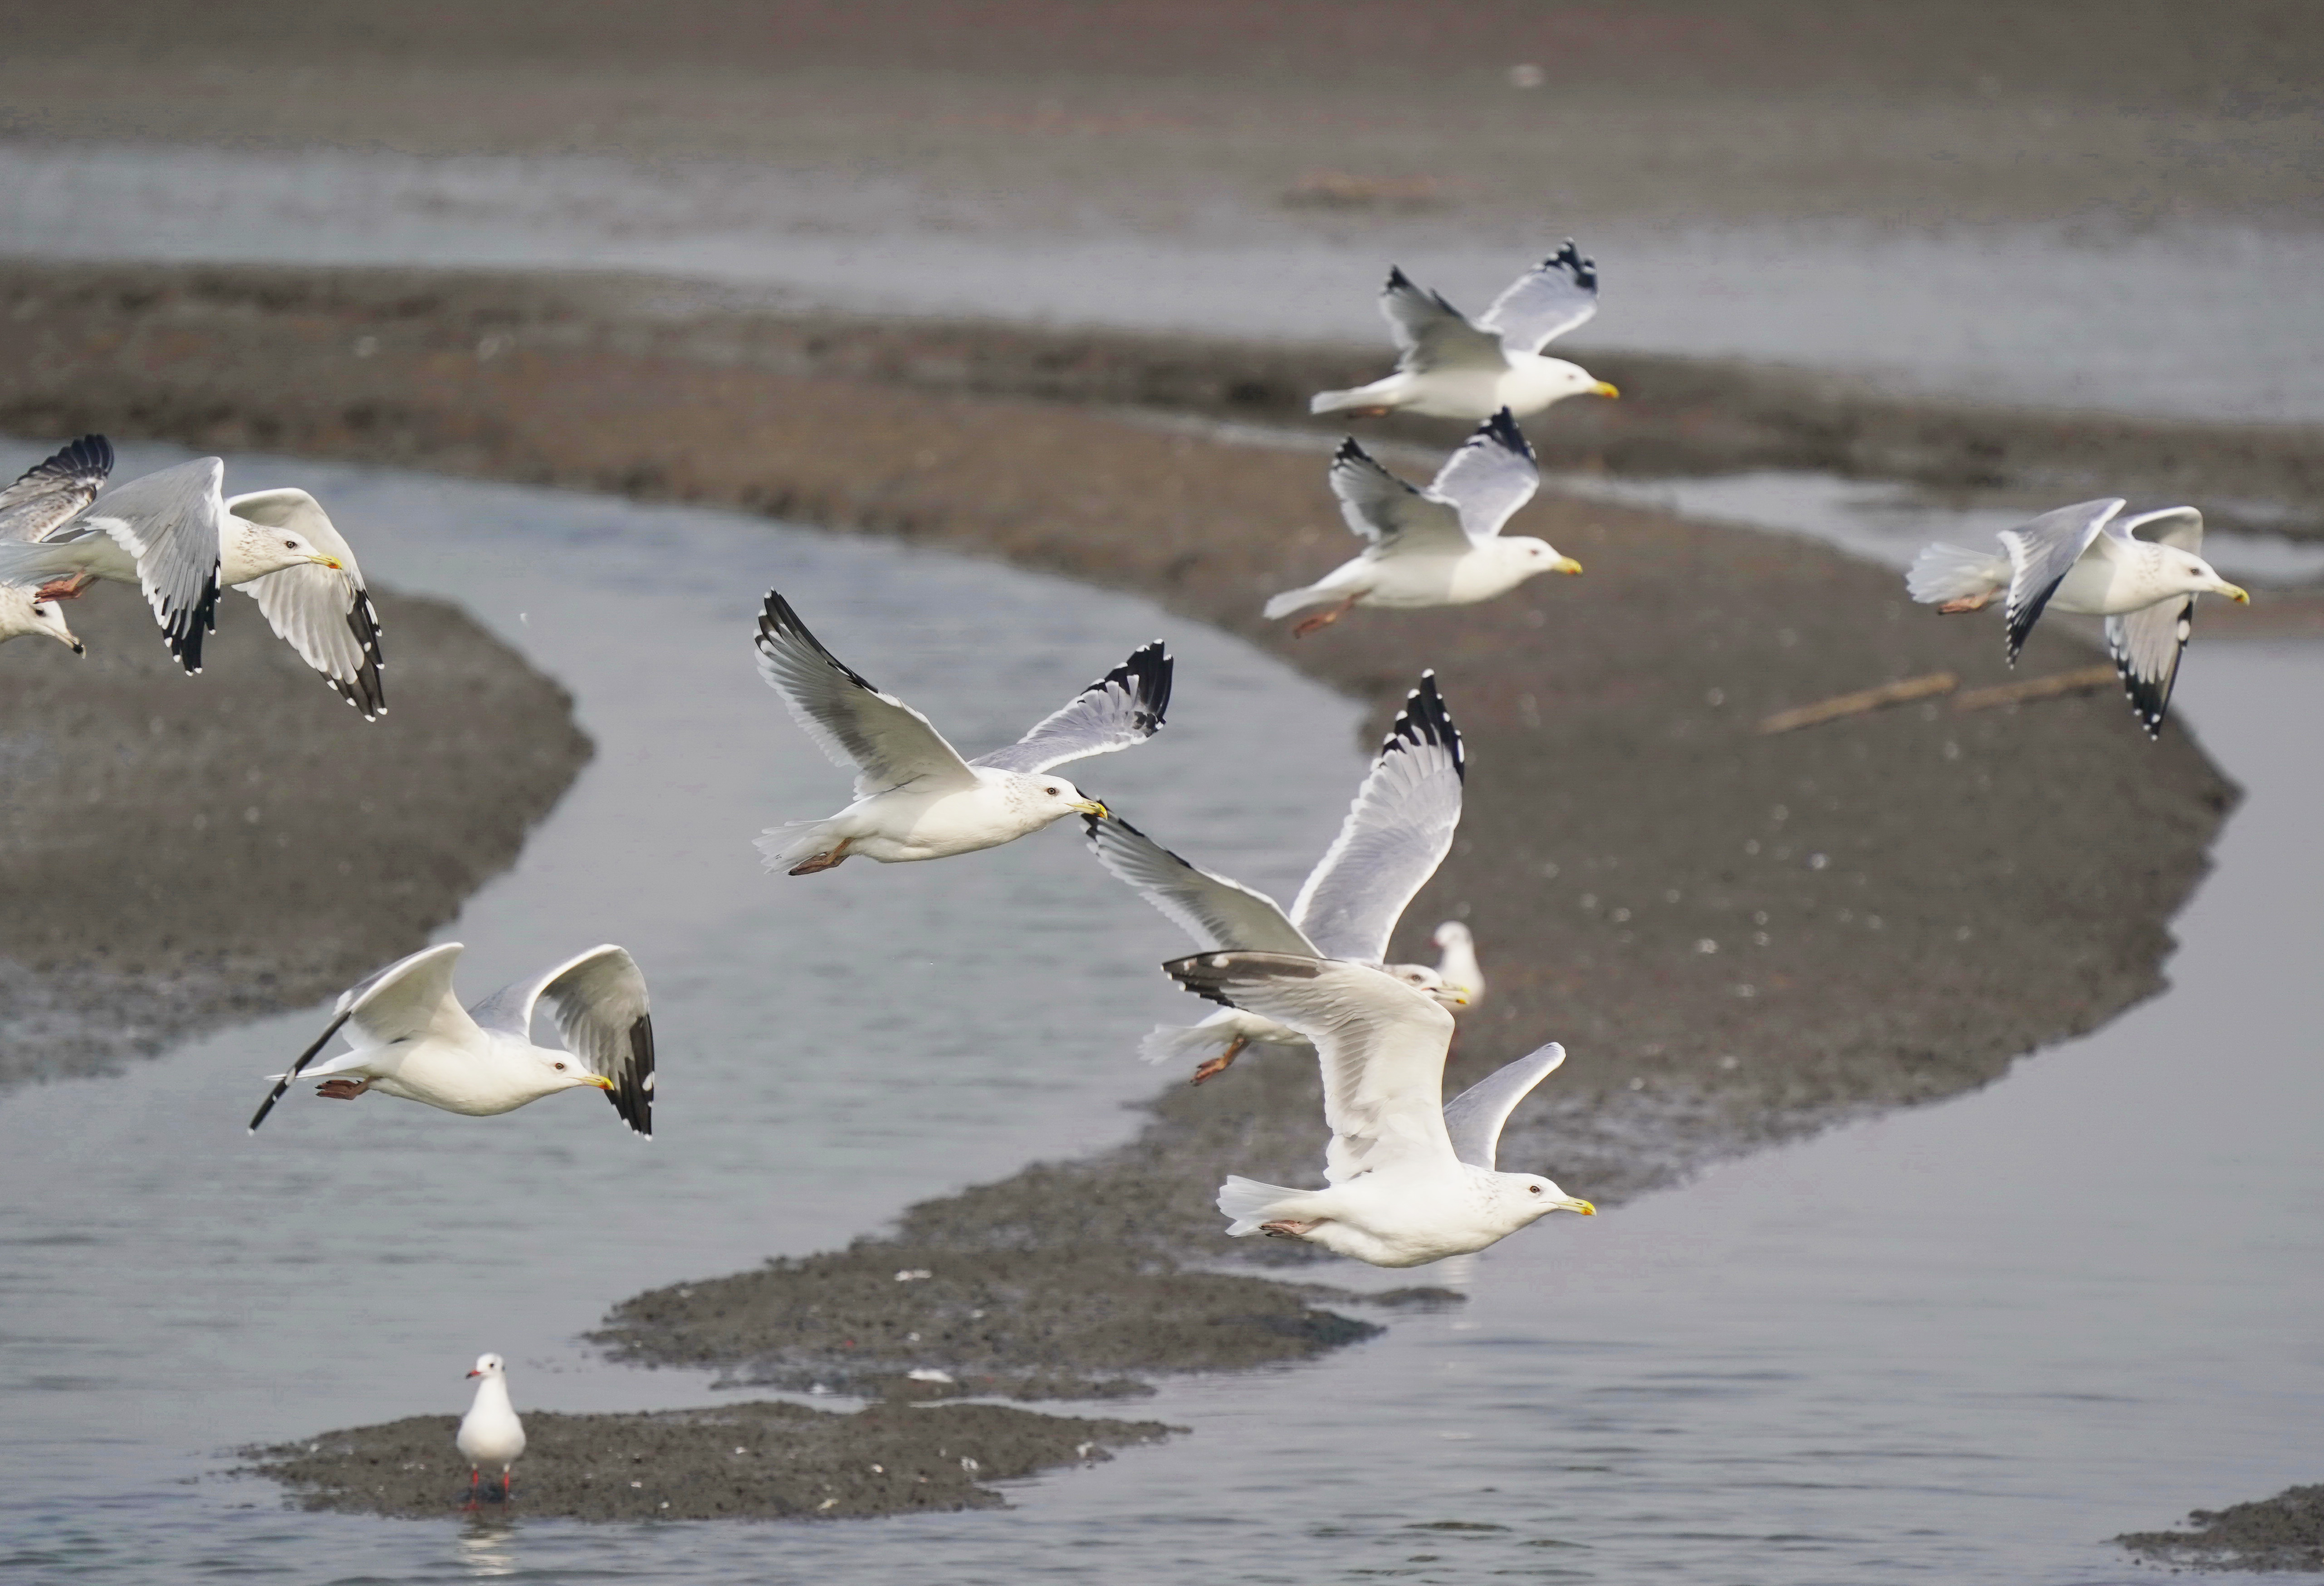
[(822, 862), (1212, 1067), (1284, 1228), (1324, 619), (342, 1090), (65, 589), (1974, 603)]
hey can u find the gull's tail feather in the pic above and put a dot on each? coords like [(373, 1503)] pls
[(1167, 1043), (1247, 1205), (1294, 600), (788, 845), (1379, 394), (1942, 573)]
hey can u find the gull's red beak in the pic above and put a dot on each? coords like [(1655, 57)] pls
[(475, 1373)]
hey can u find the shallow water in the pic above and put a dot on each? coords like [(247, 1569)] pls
[(2066, 315), (1965, 1343)]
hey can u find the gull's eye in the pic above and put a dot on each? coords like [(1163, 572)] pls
[(1531, 1189), (560, 1068), (1052, 792)]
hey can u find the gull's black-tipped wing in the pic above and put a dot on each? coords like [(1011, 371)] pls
[(2147, 645), (2042, 553), (1215, 911), (324, 614), (1490, 476), (604, 1016), (1120, 709), (53, 492), (883, 741), (1430, 333), (1555, 296)]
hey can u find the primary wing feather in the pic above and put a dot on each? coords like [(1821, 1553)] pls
[(53, 492), (1553, 297), (885, 741), (1120, 709), (1381, 1045), (324, 615), (1379, 507), (1215, 911), (1490, 477), (1474, 1117), (1397, 831)]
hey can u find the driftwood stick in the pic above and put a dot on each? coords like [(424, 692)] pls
[(2080, 680), (1865, 699)]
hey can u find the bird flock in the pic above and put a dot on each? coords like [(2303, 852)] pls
[(1409, 1179)]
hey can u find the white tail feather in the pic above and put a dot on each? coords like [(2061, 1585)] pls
[(1336, 401), (1294, 600), (1247, 1204), (786, 846), (1941, 573), (1166, 1042)]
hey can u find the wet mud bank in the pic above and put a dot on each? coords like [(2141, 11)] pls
[(1739, 938), (742, 1461), (2283, 1533), (285, 847)]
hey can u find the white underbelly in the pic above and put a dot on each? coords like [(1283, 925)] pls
[(2102, 587), (896, 826)]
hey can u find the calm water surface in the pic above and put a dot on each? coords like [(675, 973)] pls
[(1960, 1344)]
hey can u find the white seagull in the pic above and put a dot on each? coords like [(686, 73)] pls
[(23, 610), (915, 796), (1456, 964), (1442, 546), (53, 492), (1449, 368), (180, 540), (2085, 559), (1396, 834), (410, 1038), (490, 1433), (1409, 1179)]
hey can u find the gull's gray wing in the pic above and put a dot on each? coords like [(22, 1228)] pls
[(1213, 911), (2147, 644), (1490, 477), (323, 613), (1382, 1044), (1379, 507), (1122, 708), (598, 999), (1397, 831), (885, 741), (170, 522), (51, 493), (1430, 333), (2042, 552), (1473, 1119), (1546, 301), (409, 999)]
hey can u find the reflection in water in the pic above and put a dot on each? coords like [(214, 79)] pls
[(1964, 1342), (487, 1546)]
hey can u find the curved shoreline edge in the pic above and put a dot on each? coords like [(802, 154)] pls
[(1742, 939)]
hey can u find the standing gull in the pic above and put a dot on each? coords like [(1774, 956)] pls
[(1396, 834), (490, 1433), (411, 1038), (1409, 1179), (1450, 368), (1442, 546), (1457, 966), (915, 796), (176, 537), (2084, 559)]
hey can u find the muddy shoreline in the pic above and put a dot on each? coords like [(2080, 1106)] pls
[(1740, 938)]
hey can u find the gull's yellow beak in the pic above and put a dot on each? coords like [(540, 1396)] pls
[(600, 1081), (332, 562), (1584, 1207), (1093, 806), (1604, 388), (2236, 594), (1565, 564)]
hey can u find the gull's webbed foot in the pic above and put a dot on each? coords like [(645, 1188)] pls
[(342, 1090), (1970, 603), (817, 863), (65, 587), (1212, 1067), (1284, 1228), (1324, 619)]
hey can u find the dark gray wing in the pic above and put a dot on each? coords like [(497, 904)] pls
[(2147, 644), (1397, 831), (598, 999), (51, 493), (1473, 1119), (885, 741), (325, 613), (1490, 477), (1430, 333), (1213, 911), (1120, 709), (2042, 552), (1379, 507), (1546, 301), (409, 999)]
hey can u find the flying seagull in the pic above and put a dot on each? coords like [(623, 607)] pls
[(180, 540), (53, 492), (1409, 1179), (2087, 559), (1396, 834), (410, 1038), (915, 796), (1448, 367), (1442, 546)]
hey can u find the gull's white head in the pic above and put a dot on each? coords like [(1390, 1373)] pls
[(1053, 799), (562, 1071), (1421, 978), (489, 1366), (1527, 1197), (1528, 557), (1453, 933), (1545, 381), (48, 617), (273, 548), (2191, 574)]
